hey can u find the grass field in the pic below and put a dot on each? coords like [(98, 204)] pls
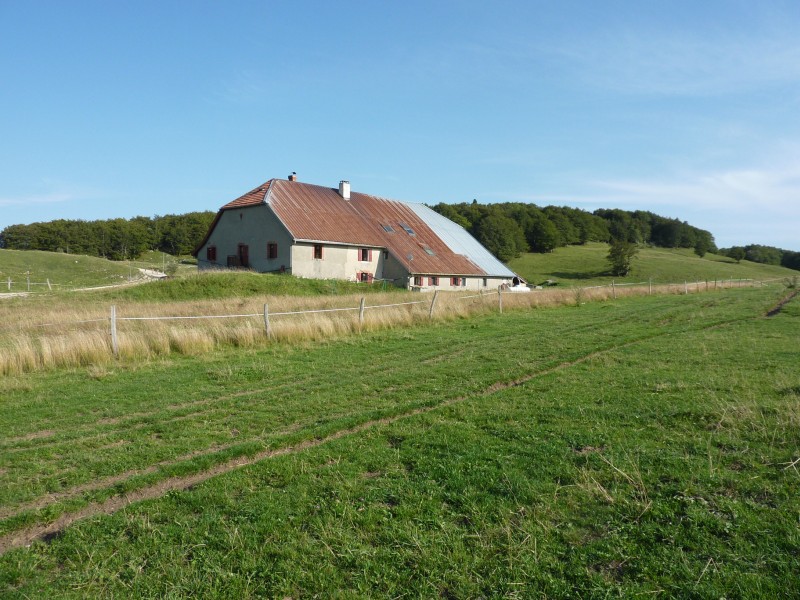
[(644, 447), (587, 265), (571, 266)]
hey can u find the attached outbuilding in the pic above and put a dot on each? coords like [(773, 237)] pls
[(285, 226)]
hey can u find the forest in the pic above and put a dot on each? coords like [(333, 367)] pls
[(509, 229), (116, 239)]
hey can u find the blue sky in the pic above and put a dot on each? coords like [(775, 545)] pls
[(686, 109)]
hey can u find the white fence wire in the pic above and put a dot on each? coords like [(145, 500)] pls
[(115, 319)]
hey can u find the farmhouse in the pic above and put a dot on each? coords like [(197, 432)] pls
[(328, 233)]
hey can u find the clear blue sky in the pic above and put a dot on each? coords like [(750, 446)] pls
[(687, 109)]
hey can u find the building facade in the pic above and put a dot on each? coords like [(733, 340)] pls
[(285, 226)]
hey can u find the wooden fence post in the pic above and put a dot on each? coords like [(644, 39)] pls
[(361, 312), (613, 289), (500, 300), (28, 278), (266, 322), (685, 287), (433, 303), (650, 281), (49, 287), (9, 284), (114, 342)]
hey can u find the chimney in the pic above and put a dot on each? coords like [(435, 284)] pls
[(344, 189), (293, 176)]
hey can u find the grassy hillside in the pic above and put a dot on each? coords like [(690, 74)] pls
[(63, 270), (587, 265), (638, 448), (571, 266)]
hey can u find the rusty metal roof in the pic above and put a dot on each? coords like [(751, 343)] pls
[(316, 213)]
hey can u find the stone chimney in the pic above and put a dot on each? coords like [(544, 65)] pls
[(293, 176), (344, 189)]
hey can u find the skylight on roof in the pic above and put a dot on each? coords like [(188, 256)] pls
[(428, 250), (407, 229), (388, 228)]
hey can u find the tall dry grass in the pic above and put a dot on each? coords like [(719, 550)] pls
[(66, 333)]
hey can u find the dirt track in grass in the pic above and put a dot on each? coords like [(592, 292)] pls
[(26, 536), (781, 303)]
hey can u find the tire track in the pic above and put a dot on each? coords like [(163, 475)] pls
[(44, 532)]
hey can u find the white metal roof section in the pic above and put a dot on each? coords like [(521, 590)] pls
[(460, 241)]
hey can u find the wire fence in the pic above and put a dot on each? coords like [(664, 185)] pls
[(116, 320), (92, 338)]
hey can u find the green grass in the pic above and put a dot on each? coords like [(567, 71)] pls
[(644, 450), (63, 270), (587, 265), (227, 284)]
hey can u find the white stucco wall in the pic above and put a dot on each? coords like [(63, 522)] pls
[(467, 283), (254, 226), (337, 262)]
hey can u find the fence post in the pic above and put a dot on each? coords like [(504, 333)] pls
[(613, 289), (433, 303), (49, 287), (28, 277), (114, 343), (266, 322), (361, 312), (500, 300), (650, 281), (685, 287), (9, 284)]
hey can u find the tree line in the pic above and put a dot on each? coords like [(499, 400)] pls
[(509, 229), (767, 255), (117, 239)]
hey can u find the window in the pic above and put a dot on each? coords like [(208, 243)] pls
[(388, 228), (272, 250), (365, 255), (365, 277), (318, 251), (455, 281), (407, 229), (418, 280), (211, 254), (485, 282), (433, 281), (428, 250)]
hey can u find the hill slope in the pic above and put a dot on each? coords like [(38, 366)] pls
[(587, 265), (63, 270), (571, 266)]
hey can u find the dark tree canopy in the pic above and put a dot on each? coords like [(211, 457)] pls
[(621, 254), (117, 239), (551, 227)]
